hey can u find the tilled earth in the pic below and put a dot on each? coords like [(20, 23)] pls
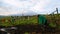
[(31, 29)]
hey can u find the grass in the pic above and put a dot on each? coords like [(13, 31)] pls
[(12, 21), (23, 20)]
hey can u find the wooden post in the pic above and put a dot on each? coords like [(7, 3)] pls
[(28, 17), (57, 10)]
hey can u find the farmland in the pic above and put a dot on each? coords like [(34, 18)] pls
[(17, 20), (26, 20), (29, 24)]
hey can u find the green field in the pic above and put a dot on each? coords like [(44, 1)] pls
[(27, 20), (18, 20), (30, 24)]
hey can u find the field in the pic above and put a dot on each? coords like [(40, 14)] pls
[(29, 24), (18, 20)]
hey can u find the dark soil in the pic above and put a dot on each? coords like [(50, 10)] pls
[(33, 29)]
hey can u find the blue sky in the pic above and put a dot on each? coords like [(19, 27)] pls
[(8, 7)]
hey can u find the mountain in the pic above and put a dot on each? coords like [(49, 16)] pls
[(28, 13)]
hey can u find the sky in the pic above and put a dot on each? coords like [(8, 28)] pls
[(8, 7)]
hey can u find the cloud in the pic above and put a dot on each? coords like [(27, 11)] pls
[(8, 6), (8, 10), (20, 3), (40, 6), (23, 6)]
